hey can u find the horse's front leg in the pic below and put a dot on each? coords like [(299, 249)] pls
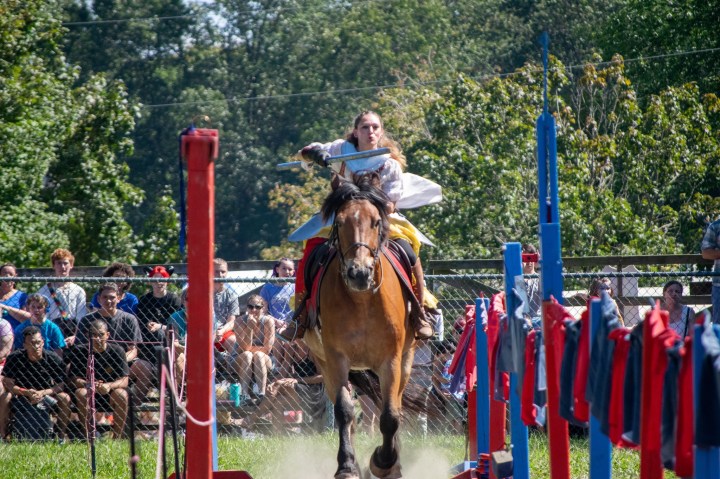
[(384, 462), (336, 380), (344, 419)]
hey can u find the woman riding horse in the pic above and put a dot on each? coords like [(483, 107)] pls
[(367, 134), (361, 295)]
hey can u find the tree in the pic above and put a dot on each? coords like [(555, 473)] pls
[(633, 180), (654, 32), (47, 124), (143, 44), (88, 183), (33, 99)]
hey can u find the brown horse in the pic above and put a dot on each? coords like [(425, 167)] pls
[(363, 322)]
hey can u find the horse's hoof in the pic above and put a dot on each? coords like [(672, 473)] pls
[(394, 472), (347, 475)]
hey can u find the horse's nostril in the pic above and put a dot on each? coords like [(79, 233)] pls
[(358, 273), (362, 274)]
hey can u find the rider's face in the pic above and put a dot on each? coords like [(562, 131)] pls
[(368, 132)]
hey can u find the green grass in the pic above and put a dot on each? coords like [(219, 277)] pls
[(273, 457)]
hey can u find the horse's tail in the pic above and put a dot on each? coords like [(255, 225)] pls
[(416, 399)]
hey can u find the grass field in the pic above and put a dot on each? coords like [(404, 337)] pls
[(308, 457)]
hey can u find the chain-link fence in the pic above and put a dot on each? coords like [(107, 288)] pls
[(102, 339)]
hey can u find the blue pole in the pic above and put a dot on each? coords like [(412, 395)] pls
[(548, 209), (551, 280), (707, 459), (518, 430), (213, 399), (483, 378), (600, 446)]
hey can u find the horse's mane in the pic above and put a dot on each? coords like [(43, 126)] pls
[(365, 187)]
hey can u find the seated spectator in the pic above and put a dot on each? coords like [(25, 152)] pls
[(12, 301), (178, 323), (36, 305), (178, 320), (35, 379), (67, 299), (226, 308), (302, 391), (128, 302), (123, 328), (532, 285), (453, 403), (6, 344), (111, 377), (681, 316), (599, 285), (421, 377), (278, 295), (153, 311), (255, 333)]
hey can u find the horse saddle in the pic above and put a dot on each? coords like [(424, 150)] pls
[(323, 254)]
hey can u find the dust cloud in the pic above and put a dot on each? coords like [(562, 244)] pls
[(320, 463)]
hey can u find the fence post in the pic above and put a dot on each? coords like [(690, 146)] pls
[(600, 446), (200, 149), (518, 431)]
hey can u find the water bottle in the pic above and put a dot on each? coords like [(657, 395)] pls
[(235, 394)]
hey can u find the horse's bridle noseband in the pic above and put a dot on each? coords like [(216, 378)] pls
[(335, 240)]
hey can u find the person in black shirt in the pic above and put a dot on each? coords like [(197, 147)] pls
[(153, 312), (35, 378), (123, 327), (110, 381)]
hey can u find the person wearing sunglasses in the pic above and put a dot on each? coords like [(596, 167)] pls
[(255, 336)]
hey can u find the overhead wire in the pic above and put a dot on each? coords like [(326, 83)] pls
[(206, 6), (341, 91)]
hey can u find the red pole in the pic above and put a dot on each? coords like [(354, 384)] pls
[(200, 149), (472, 423), (654, 365), (558, 437), (498, 409)]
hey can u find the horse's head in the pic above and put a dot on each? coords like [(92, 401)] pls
[(359, 230)]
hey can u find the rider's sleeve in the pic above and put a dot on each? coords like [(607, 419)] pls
[(391, 178)]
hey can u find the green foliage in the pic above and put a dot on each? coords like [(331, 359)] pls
[(88, 183), (158, 241), (480, 149), (301, 202), (63, 183), (259, 74), (632, 180), (653, 30)]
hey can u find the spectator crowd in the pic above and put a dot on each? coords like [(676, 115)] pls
[(66, 357)]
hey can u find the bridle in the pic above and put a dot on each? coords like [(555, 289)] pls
[(334, 240)]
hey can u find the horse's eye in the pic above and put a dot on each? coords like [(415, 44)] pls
[(377, 224)]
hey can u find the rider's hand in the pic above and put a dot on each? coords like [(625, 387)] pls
[(316, 155)]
